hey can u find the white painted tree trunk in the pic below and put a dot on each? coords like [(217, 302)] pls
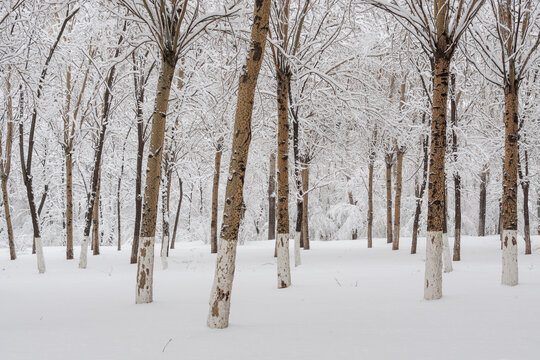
[(145, 270), (433, 275), (447, 256), (283, 261), (40, 258), (297, 258), (220, 296), (509, 258), (164, 247), (83, 259)]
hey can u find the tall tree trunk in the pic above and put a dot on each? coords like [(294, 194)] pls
[(352, 202), (510, 187), (433, 274), (215, 192), (370, 190), (447, 256), (283, 261), (483, 198), (69, 204), (164, 253), (389, 160), (457, 177), (177, 217), (220, 296), (5, 166), (419, 191), (145, 258), (400, 152), (305, 194), (95, 217), (524, 180), (297, 178), (272, 198), (397, 206)]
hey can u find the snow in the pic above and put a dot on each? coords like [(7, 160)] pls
[(345, 302)]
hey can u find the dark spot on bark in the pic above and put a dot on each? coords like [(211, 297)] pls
[(283, 285), (506, 241), (257, 51), (514, 241)]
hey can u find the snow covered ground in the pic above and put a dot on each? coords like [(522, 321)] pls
[(346, 302)]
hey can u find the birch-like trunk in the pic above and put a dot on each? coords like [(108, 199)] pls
[(272, 198), (510, 187), (220, 297), (215, 192), (305, 220), (389, 160), (397, 205), (482, 207), (433, 279), (283, 269), (145, 258)]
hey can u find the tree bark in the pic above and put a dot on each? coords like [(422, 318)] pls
[(177, 217), (145, 258), (220, 297), (510, 185), (215, 192), (433, 274), (305, 194), (389, 160), (419, 191), (397, 206), (457, 177), (95, 217), (483, 196), (283, 261), (272, 198), (5, 167), (370, 190)]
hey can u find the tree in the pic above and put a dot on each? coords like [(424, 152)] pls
[(220, 297), (438, 29)]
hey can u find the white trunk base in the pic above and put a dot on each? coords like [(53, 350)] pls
[(220, 297), (297, 258), (164, 247), (40, 258), (145, 270), (283, 261), (509, 258), (433, 275), (83, 259), (447, 256)]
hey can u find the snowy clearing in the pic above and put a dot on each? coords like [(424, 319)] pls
[(346, 302)]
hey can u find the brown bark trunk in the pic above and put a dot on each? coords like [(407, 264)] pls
[(95, 217), (389, 159), (145, 260), (510, 170), (218, 316), (177, 217), (482, 207), (215, 191), (5, 168), (457, 177), (272, 198), (305, 193), (397, 206), (419, 191), (526, 220), (370, 191), (283, 80), (69, 205)]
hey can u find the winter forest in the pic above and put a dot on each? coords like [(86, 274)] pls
[(366, 171)]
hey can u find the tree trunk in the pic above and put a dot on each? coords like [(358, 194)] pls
[(284, 272), (433, 274), (526, 220), (69, 204), (457, 177), (220, 297), (272, 198), (5, 167), (180, 196), (297, 178), (165, 214), (509, 201), (447, 256), (389, 159), (145, 258), (95, 217), (305, 194), (352, 202), (215, 191), (482, 208), (397, 207), (419, 192), (370, 202)]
